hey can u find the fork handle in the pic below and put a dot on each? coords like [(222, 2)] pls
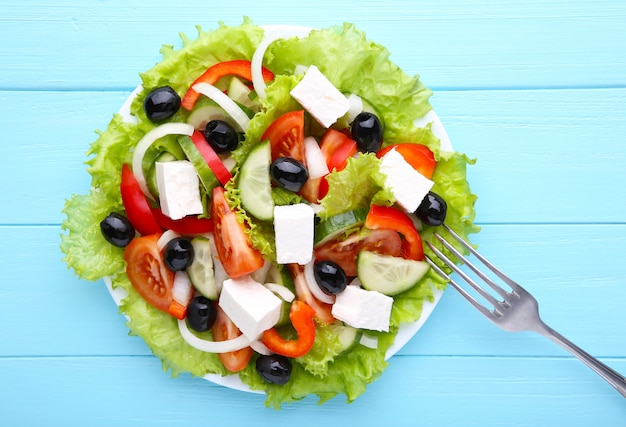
[(611, 376)]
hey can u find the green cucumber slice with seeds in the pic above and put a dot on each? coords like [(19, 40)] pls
[(338, 225), (255, 184), (206, 175), (348, 336), (200, 271), (387, 274)]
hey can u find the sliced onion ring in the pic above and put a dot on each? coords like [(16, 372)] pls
[(173, 128), (271, 35), (317, 292), (227, 104), (369, 341), (165, 238), (282, 291), (212, 346)]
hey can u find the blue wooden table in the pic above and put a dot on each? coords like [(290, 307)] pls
[(534, 90)]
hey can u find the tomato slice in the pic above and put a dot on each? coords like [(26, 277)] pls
[(210, 156), (286, 135), (301, 316), (240, 68), (417, 155), (148, 273), (388, 217), (231, 240), (337, 148), (224, 329), (322, 310), (186, 226), (136, 206), (344, 252)]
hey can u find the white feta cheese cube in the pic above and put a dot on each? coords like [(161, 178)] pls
[(320, 97), (179, 191), (293, 228), (409, 187), (363, 309), (251, 306)]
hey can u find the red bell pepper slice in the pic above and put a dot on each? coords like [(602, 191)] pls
[(301, 316), (395, 219), (137, 208), (186, 226), (222, 174), (240, 68)]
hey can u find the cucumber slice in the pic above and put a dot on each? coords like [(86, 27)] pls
[(255, 184), (206, 175), (348, 336), (337, 225), (151, 175), (200, 271), (241, 94), (387, 274)]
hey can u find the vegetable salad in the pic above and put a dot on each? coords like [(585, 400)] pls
[(188, 192)]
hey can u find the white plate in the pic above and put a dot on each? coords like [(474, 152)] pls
[(407, 330)]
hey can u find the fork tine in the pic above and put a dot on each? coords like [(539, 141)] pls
[(506, 279), (472, 267), (456, 286), (460, 272)]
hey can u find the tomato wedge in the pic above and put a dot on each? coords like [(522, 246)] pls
[(286, 135), (322, 310), (240, 68), (188, 225), (417, 155), (337, 148), (210, 156), (231, 240), (148, 273), (388, 217), (224, 329), (136, 206), (344, 252), (301, 316)]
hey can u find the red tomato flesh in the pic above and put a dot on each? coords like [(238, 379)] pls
[(224, 329), (286, 135), (148, 273), (231, 240)]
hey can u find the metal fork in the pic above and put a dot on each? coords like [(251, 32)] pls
[(517, 311)]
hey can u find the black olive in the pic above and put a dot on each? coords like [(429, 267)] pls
[(275, 369), (432, 210), (161, 104), (117, 229), (221, 136), (330, 277), (201, 314), (367, 131), (178, 254), (289, 173)]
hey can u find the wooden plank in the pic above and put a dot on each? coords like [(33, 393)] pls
[(493, 44), (573, 263), (542, 155), (131, 391)]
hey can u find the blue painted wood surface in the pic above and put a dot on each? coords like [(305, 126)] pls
[(534, 90)]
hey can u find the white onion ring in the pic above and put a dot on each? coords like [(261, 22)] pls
[(182, 288), (369, 341), (173, 128), (258, 346), (227, 104), (315, 161), (317, 292), (212, 346), (165, 238), (271, 35), (282, 291)]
